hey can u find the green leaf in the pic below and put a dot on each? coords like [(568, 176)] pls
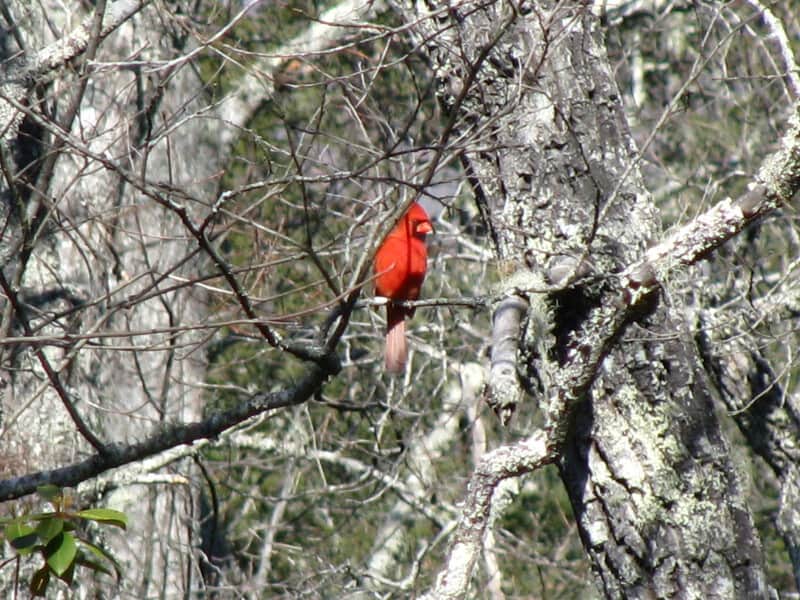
[(68, 575), (105, 555), (16, 528), (107, 516), (42, 516), (39, 582), (60, 553), (94, 565), (49, 492), (25, 544), (21, 536), (49, 528)]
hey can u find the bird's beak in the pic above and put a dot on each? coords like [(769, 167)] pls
[(425, 227)]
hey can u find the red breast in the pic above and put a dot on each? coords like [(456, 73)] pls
[(401, 261)]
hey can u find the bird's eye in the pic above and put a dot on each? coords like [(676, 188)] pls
[(421, 227)]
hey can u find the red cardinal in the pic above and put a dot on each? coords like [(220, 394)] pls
[(400, 266)]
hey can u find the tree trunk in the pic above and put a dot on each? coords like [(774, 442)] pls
[(88, 253), (659, 506), (113, 148)]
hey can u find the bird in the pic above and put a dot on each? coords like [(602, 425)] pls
[(400, 266)]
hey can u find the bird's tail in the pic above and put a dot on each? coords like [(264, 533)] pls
[(396, 345)]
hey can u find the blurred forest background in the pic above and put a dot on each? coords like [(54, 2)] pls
[(192, 192)]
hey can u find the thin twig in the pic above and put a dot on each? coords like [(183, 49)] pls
[(50, 372)]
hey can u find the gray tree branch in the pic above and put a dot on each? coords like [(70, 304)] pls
[(117, 455)]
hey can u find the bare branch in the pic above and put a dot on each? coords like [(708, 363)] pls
[(24, 72), (504, 391), (117, 455), (779, 182), (55, 381), (791, 69), (776, 184), (502, 463)]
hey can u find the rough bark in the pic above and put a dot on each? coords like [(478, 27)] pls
[(760, 406), (579, 323), (659, 504), (111, 154), (77, 237)]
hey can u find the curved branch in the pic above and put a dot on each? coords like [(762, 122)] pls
[(117, 455), (504, 391), (52, 375), (502, 463), (777, 183), (21, 74)]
